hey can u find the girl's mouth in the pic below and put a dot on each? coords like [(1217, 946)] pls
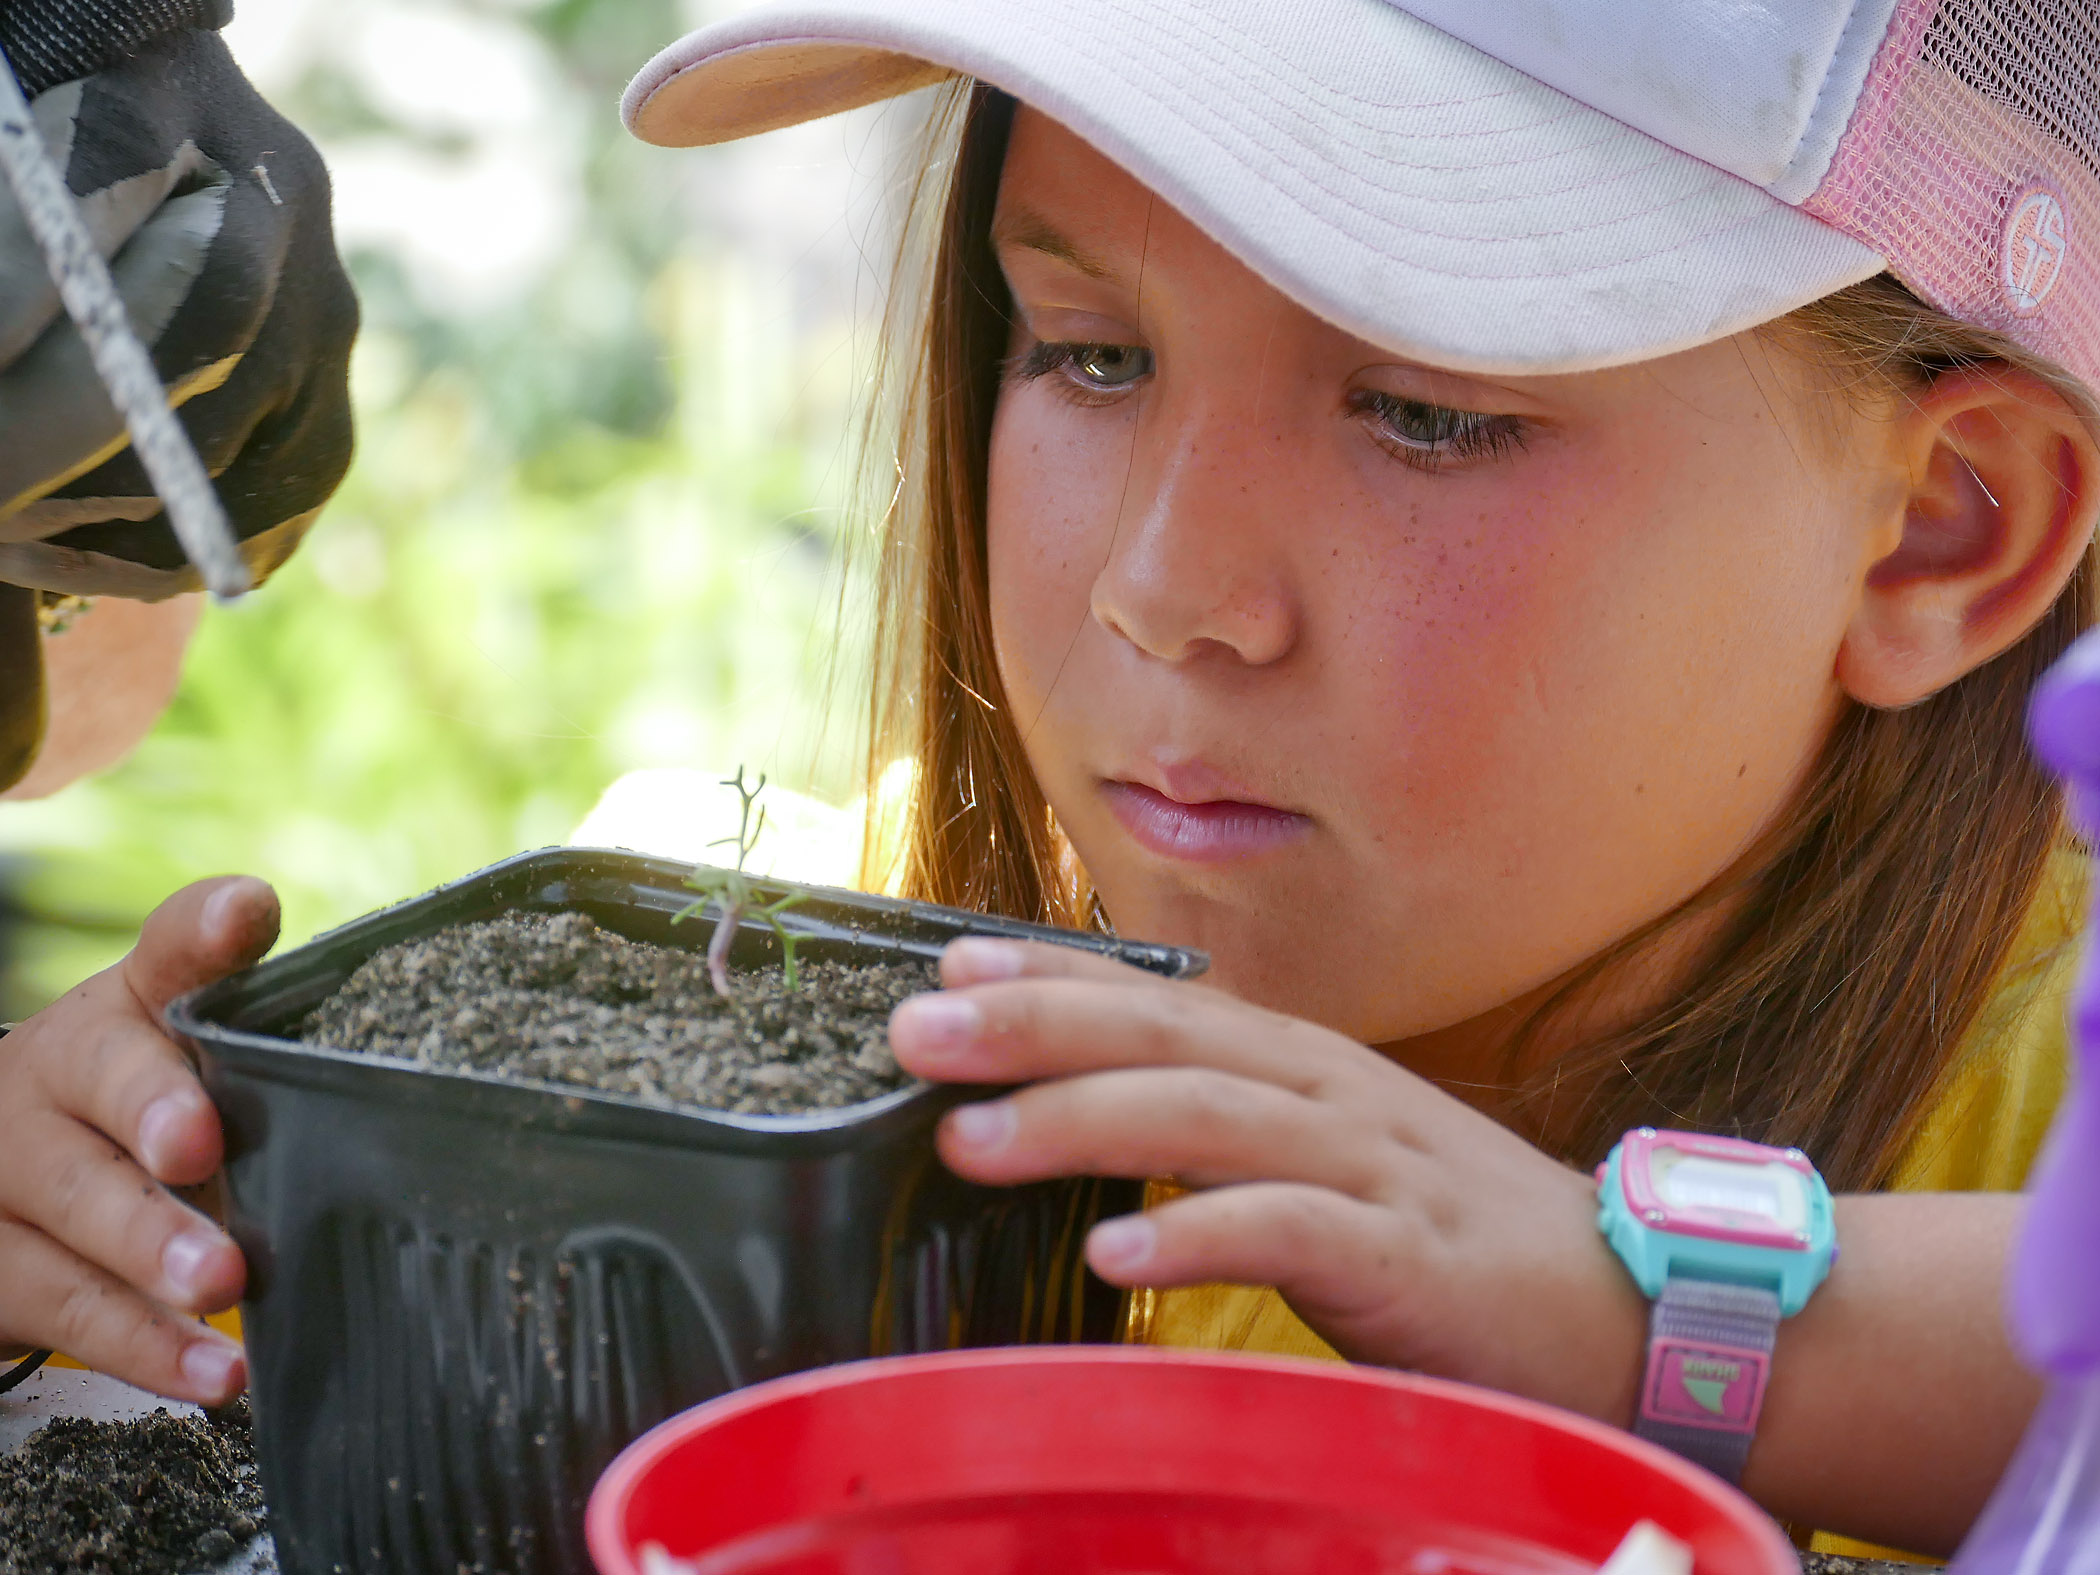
[(1210, 831)]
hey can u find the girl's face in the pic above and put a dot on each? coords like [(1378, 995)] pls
[(1401, 691)]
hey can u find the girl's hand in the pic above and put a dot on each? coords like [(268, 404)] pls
[(100, 1115), (1404, 1227)]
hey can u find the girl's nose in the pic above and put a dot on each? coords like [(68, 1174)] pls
[(1199, 562)]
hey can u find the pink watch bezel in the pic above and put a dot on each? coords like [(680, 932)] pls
[(1710, 1224)]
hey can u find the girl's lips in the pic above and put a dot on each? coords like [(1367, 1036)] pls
[(1214, 831)]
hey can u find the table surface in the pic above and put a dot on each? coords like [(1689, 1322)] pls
[(59, 1391)]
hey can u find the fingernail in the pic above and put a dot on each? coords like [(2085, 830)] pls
[(977, 961), (982, 1127), (226, 925), (183, 1261), (159, 1127), (215, 1368), (216, 908), (1123, 1245), (940, 1022)]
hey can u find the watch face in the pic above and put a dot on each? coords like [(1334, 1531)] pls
[(1692, 1185), (1770, 1194)]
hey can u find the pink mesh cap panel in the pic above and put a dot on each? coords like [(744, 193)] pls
[(1972, 163)]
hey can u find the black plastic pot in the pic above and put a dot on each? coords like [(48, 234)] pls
[(466, 1294)]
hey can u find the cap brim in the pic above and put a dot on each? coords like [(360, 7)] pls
[(1395, 181)]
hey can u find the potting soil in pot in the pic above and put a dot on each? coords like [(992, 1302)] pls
[(553, 998), (161, 1495)]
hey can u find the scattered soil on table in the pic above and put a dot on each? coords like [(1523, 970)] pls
[(552, 998), (162, 1495)]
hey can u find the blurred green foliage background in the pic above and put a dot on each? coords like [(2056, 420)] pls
[(594, 518)]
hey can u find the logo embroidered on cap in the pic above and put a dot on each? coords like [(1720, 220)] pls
[(2036, 245)]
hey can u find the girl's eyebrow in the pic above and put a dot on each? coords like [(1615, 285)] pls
[(1032, 232)]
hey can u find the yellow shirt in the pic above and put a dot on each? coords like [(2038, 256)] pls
[(1982, 1136)]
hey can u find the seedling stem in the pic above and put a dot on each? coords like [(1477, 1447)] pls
[(731, 891)]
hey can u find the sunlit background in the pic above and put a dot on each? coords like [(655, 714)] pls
[(603, 393)]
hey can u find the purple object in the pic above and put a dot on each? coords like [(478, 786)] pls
[(2056, 1273), (2044, 1518)]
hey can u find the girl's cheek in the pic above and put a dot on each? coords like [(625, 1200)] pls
[(1528, 644), (1053, 490), (1454, 615)]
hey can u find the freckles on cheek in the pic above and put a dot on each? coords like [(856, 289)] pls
[(1051, 504), (1454, 628)]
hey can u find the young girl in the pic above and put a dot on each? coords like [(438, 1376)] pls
[(1453, 514), (1472, 533)]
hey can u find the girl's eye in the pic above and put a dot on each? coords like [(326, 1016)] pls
[(1093, 369), (1428, 436)]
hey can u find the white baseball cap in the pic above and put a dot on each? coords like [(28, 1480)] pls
[(1521, 186)]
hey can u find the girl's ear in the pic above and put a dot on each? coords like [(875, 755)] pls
[(2004, 491)]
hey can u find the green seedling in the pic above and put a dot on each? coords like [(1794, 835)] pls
[(731, 891)]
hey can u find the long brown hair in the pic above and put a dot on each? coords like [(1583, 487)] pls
[(1861, 940)]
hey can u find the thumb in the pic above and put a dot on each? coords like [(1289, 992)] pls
[(203, 932)]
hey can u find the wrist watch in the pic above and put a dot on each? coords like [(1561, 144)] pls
[(1726, 1238)]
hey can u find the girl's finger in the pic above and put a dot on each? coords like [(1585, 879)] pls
[(51, 1298), (1202, 1127), (981, 959), (79, 1188), (1039, 1028), (116, 1071), (1338, 1259), (204, 932)]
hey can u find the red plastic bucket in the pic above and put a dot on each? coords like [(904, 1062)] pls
[(1112, 1461)]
